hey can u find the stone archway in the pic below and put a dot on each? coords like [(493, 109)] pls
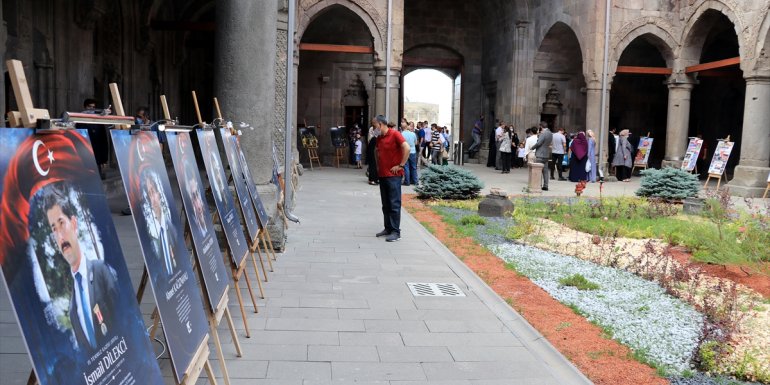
[(700, 22), (718, 97), (558, 62), (638, 102), (655, 31)]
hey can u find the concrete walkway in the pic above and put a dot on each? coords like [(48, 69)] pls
[(338, 308)]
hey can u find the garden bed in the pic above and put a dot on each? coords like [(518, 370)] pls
[(662, 330)]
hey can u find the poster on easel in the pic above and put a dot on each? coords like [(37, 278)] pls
[(720, 158), (257, 200), (207, 251), (223, 199), (643, 151), (166, 258), (239, 180), (691, 156), (62, 264)]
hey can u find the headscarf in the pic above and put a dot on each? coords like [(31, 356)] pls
[(580, 145), (624, 133)]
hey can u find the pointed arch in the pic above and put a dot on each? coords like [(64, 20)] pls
[(652, 32), (700, 21)]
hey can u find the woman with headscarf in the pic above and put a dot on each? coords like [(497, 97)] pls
[(592, 156), (505, 149), (623, 157), (577, 166)]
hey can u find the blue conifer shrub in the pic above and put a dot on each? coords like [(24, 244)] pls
[(448, 182), (668, 183)]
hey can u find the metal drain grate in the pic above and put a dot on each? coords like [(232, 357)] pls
[(427, 289)]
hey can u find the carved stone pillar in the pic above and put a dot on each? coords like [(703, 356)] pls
[(380, 92), (678, 122), (750, 177), (593, 116)]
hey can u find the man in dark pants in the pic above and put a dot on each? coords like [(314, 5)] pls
[(392, 155), (543, 151)]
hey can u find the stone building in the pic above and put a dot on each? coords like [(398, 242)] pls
[(677, 68)]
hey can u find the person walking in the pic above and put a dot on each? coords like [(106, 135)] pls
[(436, 144), (410, 172), (557, 156), (506, 143), (392, 155), (577, 165), (478, 127), (543, 151), (623, 157)]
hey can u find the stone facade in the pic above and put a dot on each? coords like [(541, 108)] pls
[(504, 56)]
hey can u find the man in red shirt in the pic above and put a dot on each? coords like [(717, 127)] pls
[(392, 155)]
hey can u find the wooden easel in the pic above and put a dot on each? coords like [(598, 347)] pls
[(766, 191), (339, 154), (27, 115), (718, 177), (200, 361), (312, 153)]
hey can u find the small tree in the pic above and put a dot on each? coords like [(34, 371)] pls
[(668, 183), (448, 182)]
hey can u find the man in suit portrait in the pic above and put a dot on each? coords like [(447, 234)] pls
[(217, 184), (95, 286), (194, 192), (159, 225)]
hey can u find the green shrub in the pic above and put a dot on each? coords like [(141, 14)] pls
[(578, 281), (448, 182), (474, 219), (668, 183)]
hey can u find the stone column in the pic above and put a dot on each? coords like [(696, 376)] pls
[(594, 116), (244, 83), (244, 75), (379, 92), (678, 122), (750, 177)]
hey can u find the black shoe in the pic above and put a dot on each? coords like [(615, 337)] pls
[(126, 211), (545, 188), (382, 233), (393, 237), (552, 178), (562, 179), (406, 184)]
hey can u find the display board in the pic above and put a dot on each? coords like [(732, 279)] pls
[(63, 267), (643, 151), (339, 136), (720, 158), (161, 239), (239, 180), (223, 199), (207, 251), (691, 156), (262, 216)]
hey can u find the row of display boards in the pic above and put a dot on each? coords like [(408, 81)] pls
[(67, 277)]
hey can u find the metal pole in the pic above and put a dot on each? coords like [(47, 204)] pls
[(605, 69), (288, 153), (387, 59)]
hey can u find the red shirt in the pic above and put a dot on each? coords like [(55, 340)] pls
[(389, 153)]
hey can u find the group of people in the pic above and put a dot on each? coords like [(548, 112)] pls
[(428, 144)]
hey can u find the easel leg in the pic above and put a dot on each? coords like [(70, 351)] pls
[(270, 243), (251, 292), (220, 355), (210, 373), (155, 323), (255, 247), (32, 380), (142, 285), (263, 239), (243, 310), (233, 334)]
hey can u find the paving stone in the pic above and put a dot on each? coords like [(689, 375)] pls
[(365, 371), (371, 339), (293, 370), (414, 354), (342, 353)]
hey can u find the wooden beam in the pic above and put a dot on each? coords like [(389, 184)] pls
[(713, 65), (336, 48), (432, 62), (643, 70)]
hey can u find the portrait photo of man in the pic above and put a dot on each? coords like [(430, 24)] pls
[(217, 183), (194, 193), (162, 233), (94, 283)]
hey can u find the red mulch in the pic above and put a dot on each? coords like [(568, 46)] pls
[(755, 280), (602, 360)]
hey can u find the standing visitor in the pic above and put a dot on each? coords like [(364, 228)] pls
[(410, 172), (543, 151), (498, 140), (359, 146), (392, 155), (371, 153), (505, 150), (559, 147), (436, 144), (577, 165), (529, 156), (592, 156), (612, 146), (623, 157), (521, 154)]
